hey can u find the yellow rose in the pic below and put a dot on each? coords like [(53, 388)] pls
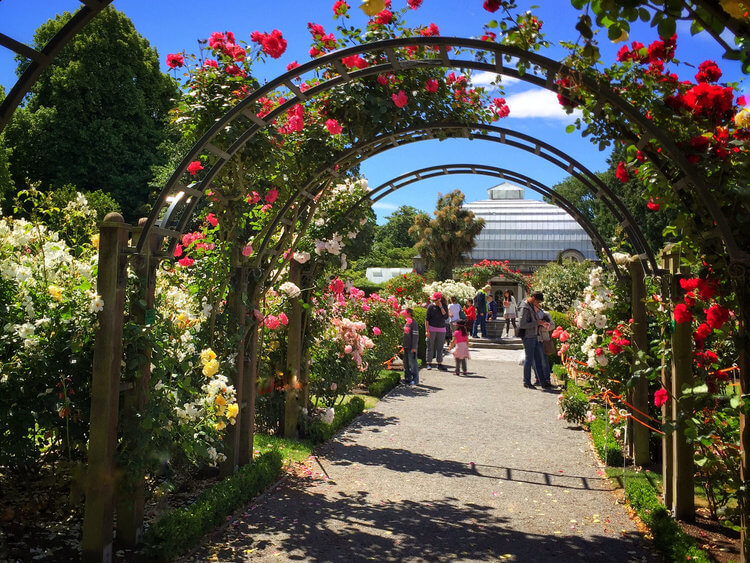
[(372, 7), (220, 401), (55, 292), (221, 425), (95, 240), (742, 119), (181, 322), (232, 411), (207, 355), (211, 368)]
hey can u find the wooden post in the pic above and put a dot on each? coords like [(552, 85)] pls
[(105, 391), (742, 292), (666, 410), (293, 357), (683, 501), (131, 491), (237, 312), (247, 401), (639, 392)]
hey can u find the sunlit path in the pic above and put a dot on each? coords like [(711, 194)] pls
[(459, 468)]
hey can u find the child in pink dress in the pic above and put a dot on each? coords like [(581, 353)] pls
[(461, 345)]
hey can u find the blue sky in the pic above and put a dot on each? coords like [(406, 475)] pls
[(173, 26)]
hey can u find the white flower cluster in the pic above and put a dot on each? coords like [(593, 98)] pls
[(595, 354), (450, 288), (332, 245), (597, 299), (328, 415), (39, 264), (301, 257), (290, 289)]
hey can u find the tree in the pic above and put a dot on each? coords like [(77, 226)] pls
[(631, 193), (445, 238), (96, 118), (396, 229)]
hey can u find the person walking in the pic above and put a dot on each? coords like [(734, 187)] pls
[(435, 330), (411, 342), (491, 308), (509, 311), (460, 347), (480, 304), (528, 324)]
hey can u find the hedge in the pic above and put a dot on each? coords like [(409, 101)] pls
[(343, 415), (612, 453), (181, 528), (385, 382), (669, 538)]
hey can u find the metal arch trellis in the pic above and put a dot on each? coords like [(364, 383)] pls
[(40, 60), (501, 135), (542, 73), (409, 178)]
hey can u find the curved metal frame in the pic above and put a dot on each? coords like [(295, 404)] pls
[(40, 60), (387, 141), (542, 73), (387, 188)]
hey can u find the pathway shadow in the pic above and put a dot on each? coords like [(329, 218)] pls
[(397, 459), (539, 477), (299, 522)]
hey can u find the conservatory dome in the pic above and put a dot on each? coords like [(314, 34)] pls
[(528, 233)]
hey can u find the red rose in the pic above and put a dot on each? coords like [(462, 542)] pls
[(431, 85), (431, 31), (491, 5), (660, 397), (682, 314), (622, 173), (333, 126), (194, 167), (186, 262), (400, 99), (292, 65), (272, 195), (212, 219), (702, 332), (708, 71), (274, 44), (652, 205), (414, 4), (383, 18), (354, 61), (175, 60), (340, 7), (614, 348), (717, 316)]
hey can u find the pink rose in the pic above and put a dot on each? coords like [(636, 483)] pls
[(247, 250), (283, 319), (212, 219), (272, 195), (376, 331), (660, 397), (333, 126), (347, 349)]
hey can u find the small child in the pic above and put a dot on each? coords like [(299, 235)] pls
[(461, 345), (471, 313)]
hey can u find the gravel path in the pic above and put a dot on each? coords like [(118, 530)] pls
[(402, 485)]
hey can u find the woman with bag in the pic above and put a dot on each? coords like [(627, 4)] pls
[(528, 326), (509, 312)]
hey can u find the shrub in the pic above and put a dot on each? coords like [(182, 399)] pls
[(387, 381), (344, 414), (407, 287), (561, 283), (560, 319), (560, 371), (574, 404), (177, 530), (669, 538), (608, 448)]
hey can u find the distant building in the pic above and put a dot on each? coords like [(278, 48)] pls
[(379, 275), (525, 232)]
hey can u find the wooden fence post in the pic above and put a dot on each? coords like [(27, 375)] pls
[(683, 465), (293, 357), (667, 412), (639, 392), (105, 391), (740, 281), (247, 400), (131, 490), (237, 312)]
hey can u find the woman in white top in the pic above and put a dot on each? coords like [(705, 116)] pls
[(509, 311), (454, 312)]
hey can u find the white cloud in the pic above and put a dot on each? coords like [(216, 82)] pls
[(384, 206), (485, 77), (537, 103)]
